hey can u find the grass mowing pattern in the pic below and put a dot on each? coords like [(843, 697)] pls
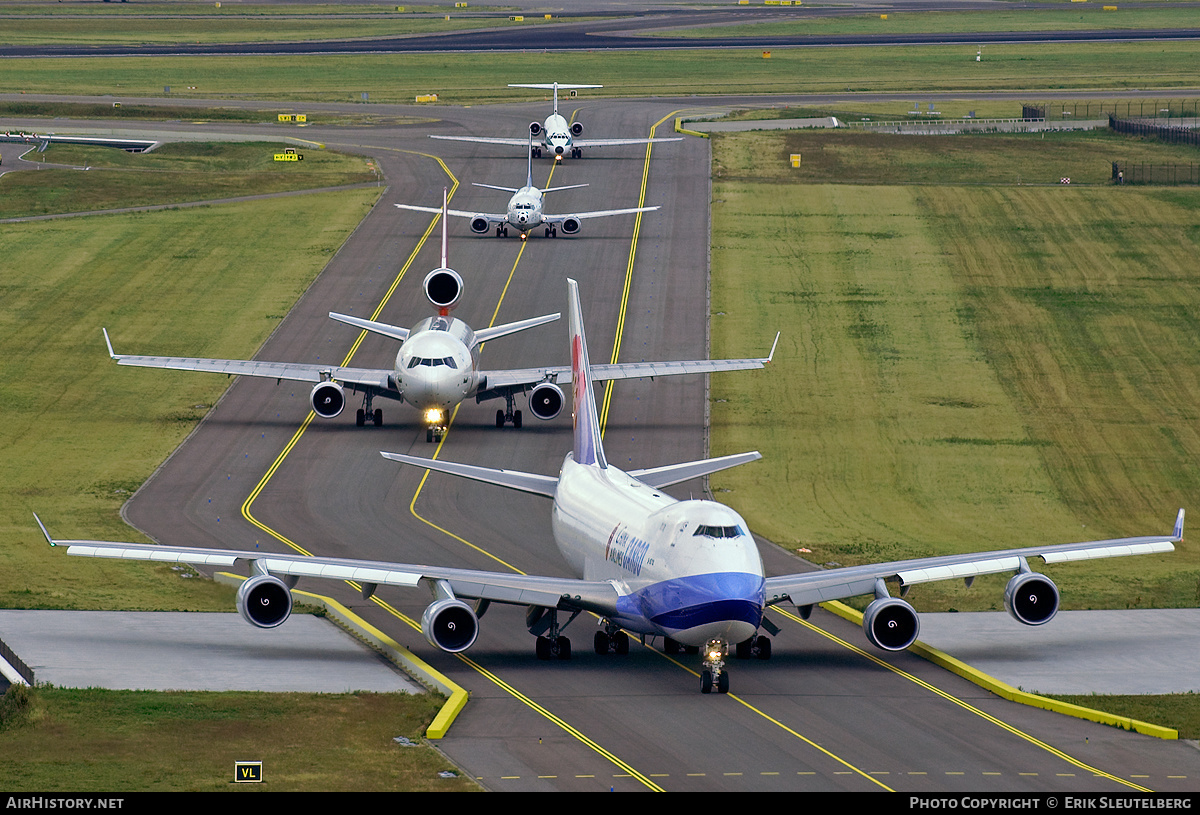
[(965, 369), (80, 433), (171, 174)]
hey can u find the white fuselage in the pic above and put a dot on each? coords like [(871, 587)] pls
[(556, 135), (437, 366), (688, 570), (525, 209)]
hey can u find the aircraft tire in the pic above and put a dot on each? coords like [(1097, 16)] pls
[(378, 417), (600, 643), (517, 419), (499, 418), (723, 682), (621, 643), (762, 647), (706, 683)]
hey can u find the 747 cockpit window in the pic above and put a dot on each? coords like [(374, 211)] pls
[(718, 531)]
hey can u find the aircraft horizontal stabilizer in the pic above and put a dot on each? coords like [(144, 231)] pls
[(513, 479), (485, 334), (676, 473), (393, 331)]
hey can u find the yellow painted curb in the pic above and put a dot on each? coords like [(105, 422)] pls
[(405, 660), (1008, 692), (680, 129)]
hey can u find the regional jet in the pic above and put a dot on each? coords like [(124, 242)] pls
[(437, 366), (558, 136), (525, 212), (686, 572)]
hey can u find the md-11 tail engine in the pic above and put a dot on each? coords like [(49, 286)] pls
[(450, 624), (480, 225), (535, 128), (1031, 598), (546, 401), (891, 624), (264, 601), (577, 128), (327, 399), (570, 226), (443, 287)]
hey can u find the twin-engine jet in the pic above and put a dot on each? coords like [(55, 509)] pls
[(687, 572), (436, 368), (525, 212), (558, 136)]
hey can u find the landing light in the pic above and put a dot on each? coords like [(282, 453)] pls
[(433, 416)]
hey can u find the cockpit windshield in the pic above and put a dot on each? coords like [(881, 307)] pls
[(718, 531), (432, 363)]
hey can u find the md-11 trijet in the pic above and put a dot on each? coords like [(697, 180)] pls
[(436, 368)]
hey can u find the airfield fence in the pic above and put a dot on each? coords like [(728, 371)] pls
[(1182, 133), (1122, 109), (1140, 172)]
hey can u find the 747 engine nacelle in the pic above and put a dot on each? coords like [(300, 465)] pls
[(264, 601), (1031, 598), (891, 624), (327, 399), (546, 401), (450, 624)]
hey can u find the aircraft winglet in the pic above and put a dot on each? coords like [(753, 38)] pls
[(45, 531), (1178, 533), (107, 342)]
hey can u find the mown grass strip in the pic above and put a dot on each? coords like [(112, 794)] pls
[(967, 368)]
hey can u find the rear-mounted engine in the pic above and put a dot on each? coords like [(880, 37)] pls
[(443, 287)]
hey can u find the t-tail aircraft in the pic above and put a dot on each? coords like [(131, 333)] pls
[(525, 212), (436, 368), (558, 136), (686, 572)]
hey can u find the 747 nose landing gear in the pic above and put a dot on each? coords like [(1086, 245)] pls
[(713, 672)]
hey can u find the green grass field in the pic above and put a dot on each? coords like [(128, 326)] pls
[(82, 435), (125, 741), (974, 367), (170, 174), (472, 78)]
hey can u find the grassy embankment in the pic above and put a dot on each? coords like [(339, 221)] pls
[(974, 356), (75, 455)]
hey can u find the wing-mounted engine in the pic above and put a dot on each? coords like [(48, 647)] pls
[(891, 624), (450, 624), (264, 601), (535, 128), (443, 287), (1031, 598), (546, 401), (480, 225), (576, 128), (570, 225), (327, 399)]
